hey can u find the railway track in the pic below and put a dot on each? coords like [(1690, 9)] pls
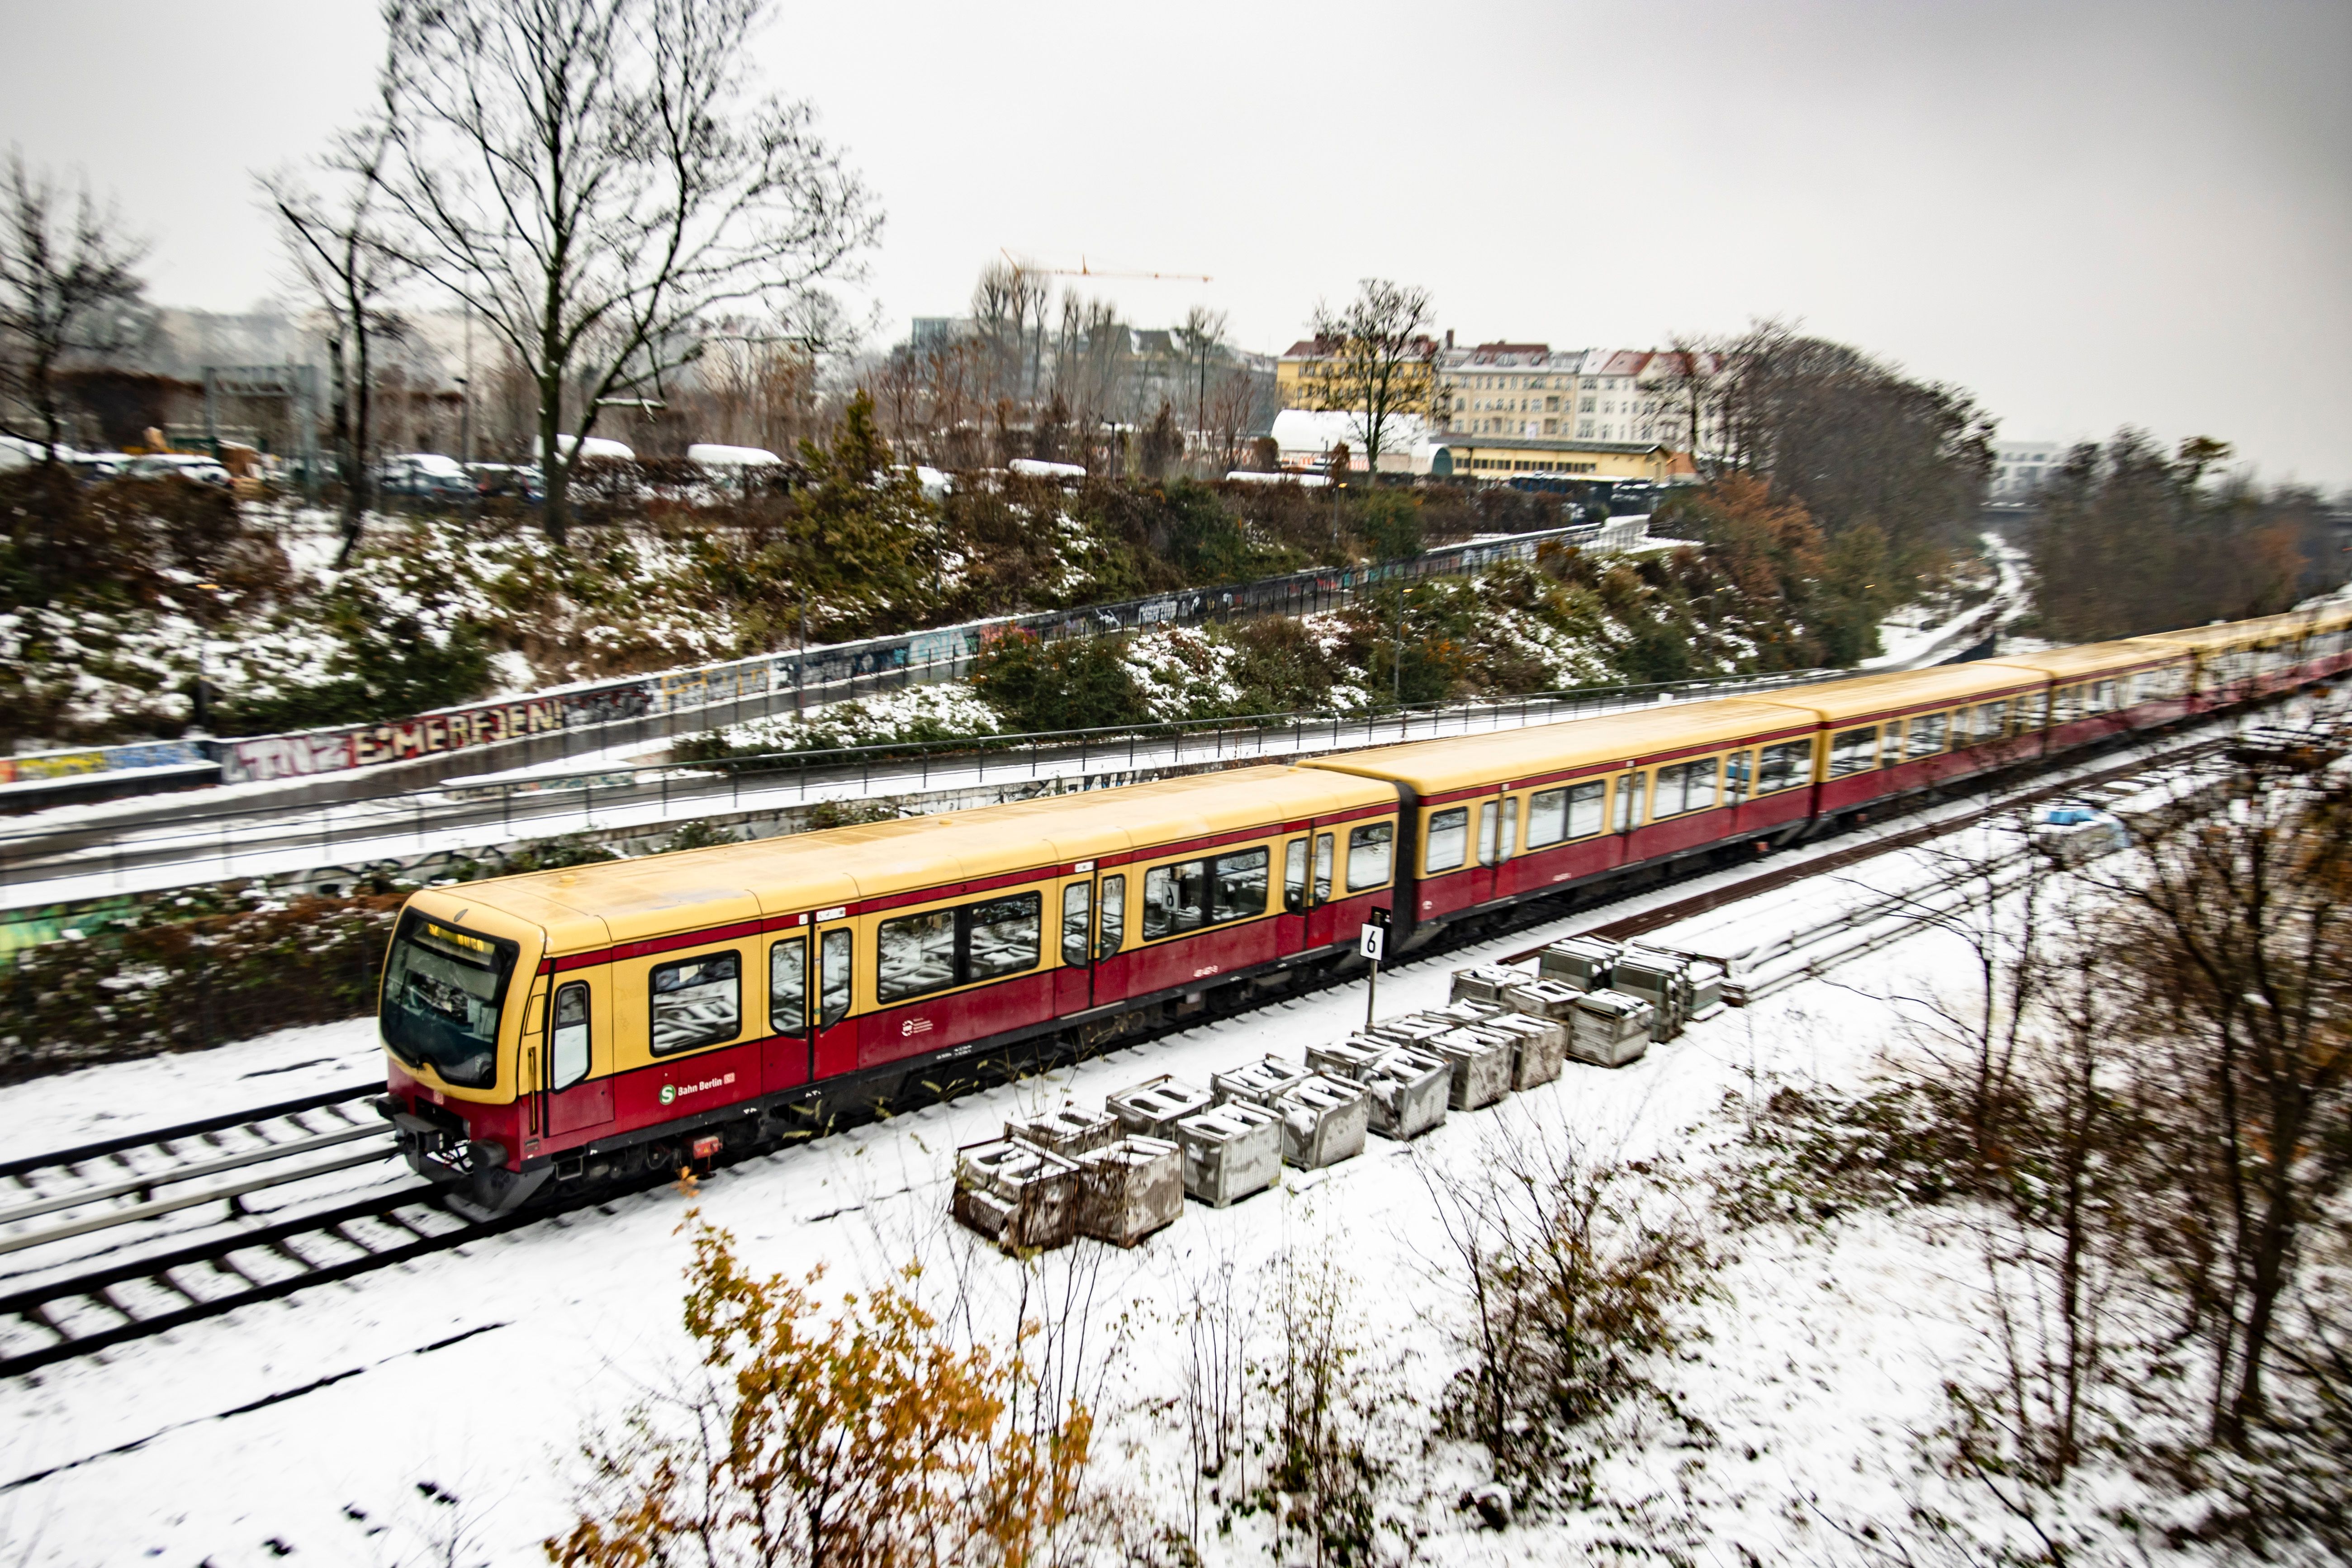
[(97, 1308)]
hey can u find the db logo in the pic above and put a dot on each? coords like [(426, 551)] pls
[(915, 1027), (1206, 970)]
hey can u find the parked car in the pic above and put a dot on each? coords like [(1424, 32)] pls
[(427, 475), (187, 465), (518, 481)]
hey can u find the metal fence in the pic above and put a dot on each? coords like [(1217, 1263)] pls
[(268, 841)]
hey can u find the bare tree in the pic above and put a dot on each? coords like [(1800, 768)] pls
[(1203, 338), (592, 178), (336, 243), (1233, 413), (2238, 946), (66, 278), (1382, 361)]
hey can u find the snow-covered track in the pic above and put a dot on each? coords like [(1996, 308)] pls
[(144, 1175), (93, 1311)]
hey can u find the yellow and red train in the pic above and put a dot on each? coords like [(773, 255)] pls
[(644, 1014)]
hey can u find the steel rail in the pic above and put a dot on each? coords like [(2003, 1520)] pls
[(145, 1185), (190, 1200)]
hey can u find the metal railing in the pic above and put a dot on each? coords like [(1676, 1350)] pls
[(232, 841)]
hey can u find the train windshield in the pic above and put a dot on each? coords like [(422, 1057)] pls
[(442, 988)]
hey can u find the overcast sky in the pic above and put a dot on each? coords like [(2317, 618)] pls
[(2089, 215)]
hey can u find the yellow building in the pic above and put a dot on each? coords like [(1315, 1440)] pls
[(1302, 379)]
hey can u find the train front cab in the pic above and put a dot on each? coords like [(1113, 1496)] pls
[(1515, 813)]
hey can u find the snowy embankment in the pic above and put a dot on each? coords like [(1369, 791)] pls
[(313, 1424)]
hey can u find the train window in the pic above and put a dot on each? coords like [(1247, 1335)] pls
[(2103, 697), (1629, 802), (1547, 817), (1370, 849), (1112, 933), (1294, 876), (2028, 709), (567, 1051), (915, 954), (1003, 936), (1666, 794), (788, 987), (1322, 868), (1853, 751), (1449, 839), (1078, 900), (1788, 766), (442, 991), (1683, 788), (1737, 768), (1237, 885), (1927, 734), (1890, 744), (833, 953), (696, 1001), (2066, 705), (1587, 808), (1166, 909)]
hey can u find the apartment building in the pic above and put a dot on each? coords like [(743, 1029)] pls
[(1302, 377), (2018, 468)]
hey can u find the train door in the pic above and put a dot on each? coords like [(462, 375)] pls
[(834, 1048), (1074, 982), (1321, 924), (784, 1055), (1498, 833), (577, 1095), (1631, 790), (1290, 926), (1110, 980)]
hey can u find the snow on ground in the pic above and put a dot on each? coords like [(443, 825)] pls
[(302, 1426)]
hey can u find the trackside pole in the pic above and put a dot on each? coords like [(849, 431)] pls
[(1373, 942)]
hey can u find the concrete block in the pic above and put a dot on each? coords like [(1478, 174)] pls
[(1260, 1082), (1485, 981), (1410, 1028), (1480, 1064), (1611, 1028), (1410, 1088), (1661, 979), (1354, 1058), (1706, 989), (1230, 1152), (1583, 962), (1152, 1109), (1129, 1188), (1544, 998), (1539, 1046), (1017, 1195), (1324, 1121), (1464, 1011), (1066, 1129)]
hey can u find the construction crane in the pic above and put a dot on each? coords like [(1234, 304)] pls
[(1083, 271)]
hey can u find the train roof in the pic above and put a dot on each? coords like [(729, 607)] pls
[(624, 900), (2090, 658), (2330, 617), (1501, 756), (1938, 686)]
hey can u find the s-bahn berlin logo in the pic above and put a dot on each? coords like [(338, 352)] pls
[(673, 1091)]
